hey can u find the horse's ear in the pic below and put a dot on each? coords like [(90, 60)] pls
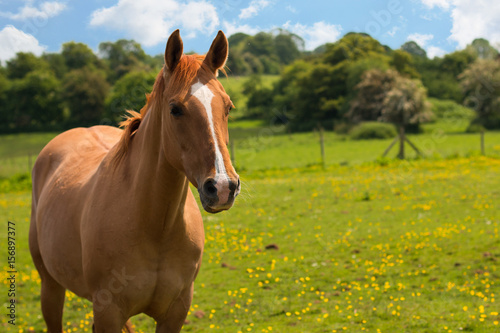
[(173, 51), (217, 55)]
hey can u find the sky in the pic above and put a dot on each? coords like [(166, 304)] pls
[(439, 26)]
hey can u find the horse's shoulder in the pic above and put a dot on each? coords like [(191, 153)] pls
[(77, 151)]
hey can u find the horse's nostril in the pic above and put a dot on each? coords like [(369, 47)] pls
[(209, 188)]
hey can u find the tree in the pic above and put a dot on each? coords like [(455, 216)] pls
[(4, 110), (56, 63), (85, 91), (455, 63), (414, 49), (260, 98), (23, 64), (123, 56), (405, 103), (317, 96), (371, 92), (481, 86), (357, 68), (392, 98), (264, 53), (440, 75), (34, 101), (288, 46), (79, 55), (482, 49), (403, 62), (353, 46), (319, 90), (128, 93)]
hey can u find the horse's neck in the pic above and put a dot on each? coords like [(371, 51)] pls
[(158, 188)]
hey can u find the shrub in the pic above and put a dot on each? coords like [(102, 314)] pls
[(474, 128), (449, 110), (373, 130), (17, 183)]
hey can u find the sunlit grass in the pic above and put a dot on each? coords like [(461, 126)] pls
[(408, 246)]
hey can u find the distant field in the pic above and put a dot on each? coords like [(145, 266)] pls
[(403, 247), (258, 146), (366, 244), (234, 86), (18, 151)]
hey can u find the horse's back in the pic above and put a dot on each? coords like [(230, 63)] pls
[(61, 177), (73, 155)]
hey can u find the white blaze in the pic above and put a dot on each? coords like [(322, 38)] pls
[(205, 95)]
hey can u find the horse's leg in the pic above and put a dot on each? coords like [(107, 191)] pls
[(52, 293), (173, 320), (128, 328), (52, 298), (109, 319)]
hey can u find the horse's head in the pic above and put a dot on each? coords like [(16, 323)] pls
[(195, 110)]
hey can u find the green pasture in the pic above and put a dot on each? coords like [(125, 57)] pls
[(261, 146), (365, 244), (409, 246)]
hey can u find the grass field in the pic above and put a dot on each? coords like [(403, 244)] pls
[(362, 245), (403, 247), (259, 146)]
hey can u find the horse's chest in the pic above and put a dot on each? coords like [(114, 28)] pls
[(174, 278)]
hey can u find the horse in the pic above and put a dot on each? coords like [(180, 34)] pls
[(113, 217)]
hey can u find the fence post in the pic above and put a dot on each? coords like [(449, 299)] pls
[(482, 142), (402, 140), (322, 145)]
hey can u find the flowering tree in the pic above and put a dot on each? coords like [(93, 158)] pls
[(392, 98), (481, 86)]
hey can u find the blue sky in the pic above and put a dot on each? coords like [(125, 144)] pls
[(439, 26)]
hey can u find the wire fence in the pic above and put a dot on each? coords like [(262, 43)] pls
[(266, 150)]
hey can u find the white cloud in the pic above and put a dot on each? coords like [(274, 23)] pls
[(475, 19), (471, 19), (317, 34), (444, 4), (393, 31), (420, 39), (253, 9), (150, 21), (434, 51), (45, 10), (232, 28), (291, 9), (14, 40)]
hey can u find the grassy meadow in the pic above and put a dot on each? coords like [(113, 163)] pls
[(364, 244)]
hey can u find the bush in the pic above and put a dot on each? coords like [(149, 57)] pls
[(16, 183), (449, 110), (373, 130), (474, 128)]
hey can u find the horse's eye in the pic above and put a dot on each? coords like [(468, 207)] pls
[(175, 110)]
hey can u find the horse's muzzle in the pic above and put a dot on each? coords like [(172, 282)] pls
[(217, 195)]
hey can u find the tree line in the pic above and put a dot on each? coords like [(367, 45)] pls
[(358, 79), (354, 79), (74, 87)]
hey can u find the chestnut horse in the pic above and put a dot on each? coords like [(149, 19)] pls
[(113, 217)]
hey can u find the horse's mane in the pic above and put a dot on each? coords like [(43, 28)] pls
[(183, 75)]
